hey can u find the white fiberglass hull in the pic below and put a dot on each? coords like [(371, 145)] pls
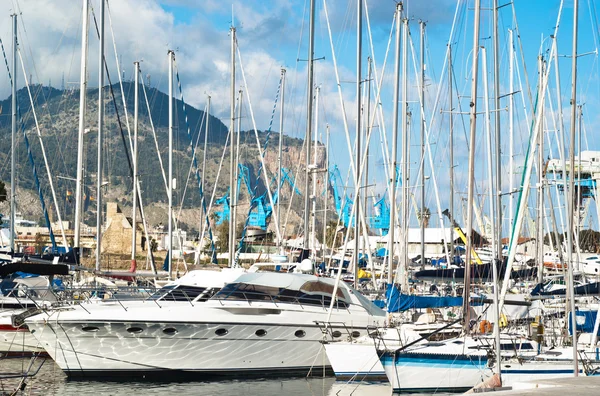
[(433, 373), (355, 361), (194, 348), (438, 368), (211, 339), (16, 340)]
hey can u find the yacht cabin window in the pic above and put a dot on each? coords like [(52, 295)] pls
[(310, 293)]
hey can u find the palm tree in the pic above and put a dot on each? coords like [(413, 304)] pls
[(425, 215)]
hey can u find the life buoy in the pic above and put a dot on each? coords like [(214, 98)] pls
[(485, 327)]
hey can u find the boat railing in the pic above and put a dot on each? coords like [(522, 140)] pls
[(332, 330), (30, 370)]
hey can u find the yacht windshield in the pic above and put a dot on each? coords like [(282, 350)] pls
[(310, 293), (183, 293)]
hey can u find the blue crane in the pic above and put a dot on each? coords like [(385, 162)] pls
[(343, 205), (261, 210), (381, 219), (223, 214)]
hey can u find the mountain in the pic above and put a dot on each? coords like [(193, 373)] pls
[(58, 117)]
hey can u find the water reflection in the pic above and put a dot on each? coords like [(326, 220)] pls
[(50, 380)]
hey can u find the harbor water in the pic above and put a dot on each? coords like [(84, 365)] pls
[(50, 380)]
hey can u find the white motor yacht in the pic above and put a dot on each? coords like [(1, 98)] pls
[(261, 323)]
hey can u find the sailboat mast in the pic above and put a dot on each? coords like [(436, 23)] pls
[(471, 181), (422, 112), (405, 153), (100, 159), (13, 138), (232, 164), (236, 161), (135, 160), (279, 152), (326, 186), (206, 130), (358, 137), (540, 192), (393, 169), (367, 129), (571, 195), (171, 55), (309, 113), (490, 175), (82, 92), (451, 151), (314, 179), (498, 229), (511, 126)]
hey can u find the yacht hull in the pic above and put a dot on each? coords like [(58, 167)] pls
[(244, 349)]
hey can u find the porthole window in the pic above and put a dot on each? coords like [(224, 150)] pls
[(261, 333), (89, 329), (135, 330), (355, 334), (221, 332), (300, 333), (336, 334), (170, 331)]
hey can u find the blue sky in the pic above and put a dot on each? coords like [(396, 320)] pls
[(273, 34)]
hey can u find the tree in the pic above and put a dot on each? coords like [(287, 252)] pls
[(425, 214), (223, 235), (40, 243), (334, 237), (3, 194), (153, 245)]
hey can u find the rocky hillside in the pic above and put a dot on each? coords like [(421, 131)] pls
[(58, 116)]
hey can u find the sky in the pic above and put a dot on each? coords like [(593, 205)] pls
[(273, 34)]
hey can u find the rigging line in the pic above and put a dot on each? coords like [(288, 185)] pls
[(295, 122), (253, 203), (427, 128), (521, 201), (298, 163), (195, 165), (343, 110), (32, 162), (127, 152), (588, 86), (339, 89), (191, 168), (38, 92), (109, 13), (187, 181), (377, 88), (212, 196), (260, 153), (162, 168), (50, 181), (521, 51)]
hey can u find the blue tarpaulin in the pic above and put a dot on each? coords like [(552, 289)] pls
[(381, 252), (397, 301), (585, 321)]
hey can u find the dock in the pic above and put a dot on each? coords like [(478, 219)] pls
[(573, 386)]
